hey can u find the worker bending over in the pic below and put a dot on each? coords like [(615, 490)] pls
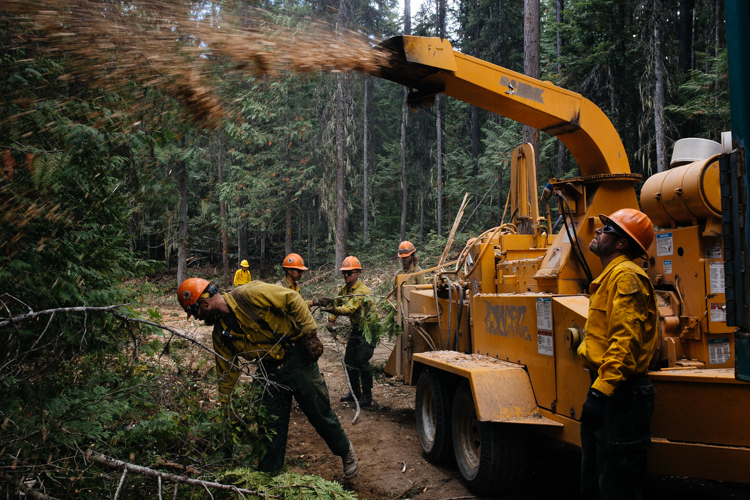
[(242, 276), (407, 252), (619, 344), (273, 325), (358, 350)]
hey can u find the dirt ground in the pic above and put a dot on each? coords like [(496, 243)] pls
[(391, 462)]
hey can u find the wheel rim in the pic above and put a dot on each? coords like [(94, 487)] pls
[(428, 417), (469, 443)]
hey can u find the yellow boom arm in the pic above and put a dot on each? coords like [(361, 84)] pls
[(430, 66)]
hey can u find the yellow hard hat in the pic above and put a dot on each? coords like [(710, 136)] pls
[(244, 263)]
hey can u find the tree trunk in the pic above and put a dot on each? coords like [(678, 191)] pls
[(288, 225), (560, 166), (475, 152), (439, 127), (421, 216), (531, 66), (404, 117), (364, 152), (404, 185), (686, 35), (223, 211), (659, 94), (182, 228)]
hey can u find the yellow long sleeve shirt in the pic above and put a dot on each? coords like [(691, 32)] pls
[(287, 283), (621, 332), (350, 306), (413, 280), (242, 277), (283, 311)]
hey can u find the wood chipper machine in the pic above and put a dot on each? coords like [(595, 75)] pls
[(491, 342)]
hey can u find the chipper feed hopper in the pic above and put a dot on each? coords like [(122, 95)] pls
[(491, 342)]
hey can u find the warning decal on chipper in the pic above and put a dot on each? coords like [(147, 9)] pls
[(522, 89), (718, 351), (544, 337), (664, 245)]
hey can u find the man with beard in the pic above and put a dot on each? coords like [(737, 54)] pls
[(407, 252), (619, 343), (273, 325)]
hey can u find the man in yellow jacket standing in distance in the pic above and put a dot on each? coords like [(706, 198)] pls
[(619, 343), (242, 276), (272, 325), (350, 302)]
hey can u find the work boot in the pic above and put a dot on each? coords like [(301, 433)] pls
[(348, 397), (366, 399), (351, 464)]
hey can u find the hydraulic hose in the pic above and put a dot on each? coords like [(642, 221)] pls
[(574, 244)]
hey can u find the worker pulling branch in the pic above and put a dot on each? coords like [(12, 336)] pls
[(619, 343), (407, 252), (273, 325), (242, 276), (351, 302), (294, 267)]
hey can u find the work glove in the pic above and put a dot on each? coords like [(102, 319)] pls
[(322, 301), (329, 309), (313, 345), (594, 409)]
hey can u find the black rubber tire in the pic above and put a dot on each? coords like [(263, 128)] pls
[(433, 415), (492, 457)]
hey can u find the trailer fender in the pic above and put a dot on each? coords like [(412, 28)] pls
[(501, 390)]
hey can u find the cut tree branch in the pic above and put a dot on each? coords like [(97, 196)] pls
[(145, 471)]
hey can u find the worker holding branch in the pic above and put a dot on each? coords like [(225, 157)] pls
[(407, 252), (272, 325), (351, 303), (619, 343)]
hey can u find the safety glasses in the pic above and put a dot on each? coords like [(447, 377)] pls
[(348, 273), (611, 229), (402, 251), (193, 309)]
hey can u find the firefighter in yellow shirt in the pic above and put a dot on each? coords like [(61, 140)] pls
[(272, 325), (407, 252), (619, 343), (293, 266), (350, 302), (242, 276)]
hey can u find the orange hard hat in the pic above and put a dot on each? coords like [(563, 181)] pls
[(406, 248), (294, 261), (634, 223), (350, 263), (191, 290)]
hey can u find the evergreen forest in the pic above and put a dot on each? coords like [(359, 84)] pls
[(140, 138)]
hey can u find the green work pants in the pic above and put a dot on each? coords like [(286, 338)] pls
[(357, 360), (613, 464), (304, 381)]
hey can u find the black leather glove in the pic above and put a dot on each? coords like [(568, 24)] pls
[(329, 309), (594, 409), (322, 301), (313, 346)]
